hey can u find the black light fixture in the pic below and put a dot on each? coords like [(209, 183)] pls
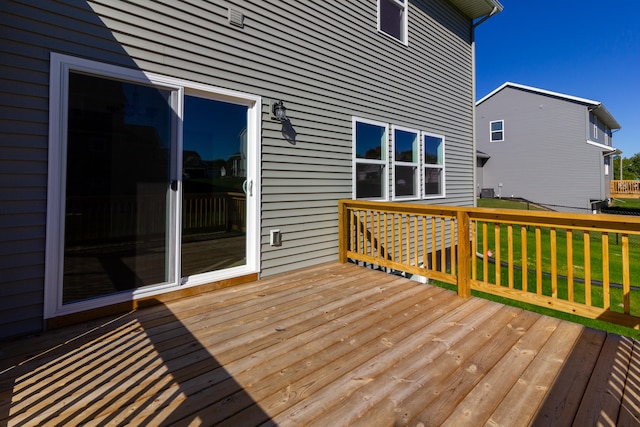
[(279, 111)]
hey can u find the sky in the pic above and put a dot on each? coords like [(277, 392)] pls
[(584, 48)]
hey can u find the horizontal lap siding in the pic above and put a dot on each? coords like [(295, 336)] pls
[(327, 62)]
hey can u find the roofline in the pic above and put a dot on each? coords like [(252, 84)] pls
[(598, 108), (475, 9)]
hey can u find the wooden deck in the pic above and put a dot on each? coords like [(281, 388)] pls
[(333, 345)]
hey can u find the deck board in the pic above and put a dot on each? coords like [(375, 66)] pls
[(335, 344)]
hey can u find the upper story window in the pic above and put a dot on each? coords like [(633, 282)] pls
[(433, 151), (497, 130), (406, 171), (370, 159), (392, 18)]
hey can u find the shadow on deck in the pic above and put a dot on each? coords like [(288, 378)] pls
[(329, 345)]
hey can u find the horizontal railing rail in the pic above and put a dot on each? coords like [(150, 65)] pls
[(582, 264), (622, 188)]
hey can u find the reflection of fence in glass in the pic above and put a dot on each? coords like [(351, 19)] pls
[(125, 218)]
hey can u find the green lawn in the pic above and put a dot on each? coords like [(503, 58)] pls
[(507, 204), (627, 203)]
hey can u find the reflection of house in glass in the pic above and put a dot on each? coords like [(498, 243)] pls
[(239, 160), (194, 166)]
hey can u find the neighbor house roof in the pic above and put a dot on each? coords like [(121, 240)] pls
[(478, 8), (596, 107)]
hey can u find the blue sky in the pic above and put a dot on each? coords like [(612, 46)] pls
[(584, 48)]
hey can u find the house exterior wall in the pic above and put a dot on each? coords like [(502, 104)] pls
[(545, 157), (327, 62)]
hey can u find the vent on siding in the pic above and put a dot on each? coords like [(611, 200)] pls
[(236, 18)]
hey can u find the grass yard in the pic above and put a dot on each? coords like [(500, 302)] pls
[(627, 203), (507, 204)]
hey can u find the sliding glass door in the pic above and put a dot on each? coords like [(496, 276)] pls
[(214, 186), (117, 203), (151, 185)]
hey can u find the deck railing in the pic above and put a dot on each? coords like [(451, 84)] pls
[(583, 264), (625, 188)]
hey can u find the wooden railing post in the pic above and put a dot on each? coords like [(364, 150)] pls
[(342, 232), (464, 254)]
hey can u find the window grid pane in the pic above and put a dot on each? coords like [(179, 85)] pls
[(433, 150), (392, 18)]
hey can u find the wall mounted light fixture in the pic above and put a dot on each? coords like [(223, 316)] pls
[(279, 111)]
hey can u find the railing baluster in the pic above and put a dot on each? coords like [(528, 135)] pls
[(433, 243), (357, 248), (587, 268), (626, 279), (606, 295), (386, 234), (371, 234), (498, 266), (415, 239), (554, 263), (408, 239), (485, 251), (538, 261), (474, 250), (510, 254), (570, 265), (525, 261), (424, 241), (443, 247), (393, 236), (452, 246), (400, 238)]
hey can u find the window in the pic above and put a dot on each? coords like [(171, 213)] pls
[(433, 152), (497, 130), (406, 171), (392, 18), (595, 131), (370, 159)]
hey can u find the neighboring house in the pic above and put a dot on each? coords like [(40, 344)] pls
[(549, 148), (104, 103)]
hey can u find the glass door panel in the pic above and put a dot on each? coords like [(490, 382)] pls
[(117, 207), (214, 181)]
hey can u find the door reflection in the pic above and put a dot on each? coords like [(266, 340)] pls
[(214, 204)]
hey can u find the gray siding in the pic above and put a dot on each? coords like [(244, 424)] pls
[(327, 62), (545, 157)]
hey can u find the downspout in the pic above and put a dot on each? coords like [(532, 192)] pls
[(473, 99)]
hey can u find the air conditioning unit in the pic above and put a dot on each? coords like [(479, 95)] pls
[(487, 193)]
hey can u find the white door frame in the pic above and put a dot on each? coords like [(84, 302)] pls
[(58, 88)]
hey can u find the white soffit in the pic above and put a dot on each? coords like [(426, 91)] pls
[(477, 8)]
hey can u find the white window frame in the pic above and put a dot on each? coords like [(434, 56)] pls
[(415, 165), (404, 33), (60, 67), (383, 162), (441, 166), (491, 131)]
